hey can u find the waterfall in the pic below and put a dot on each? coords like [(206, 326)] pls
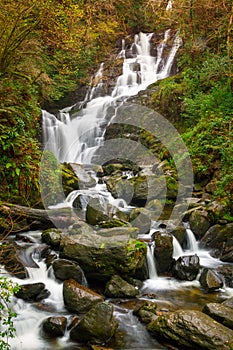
[(74, 135), (191, 241), (177, 249), (151, 262)]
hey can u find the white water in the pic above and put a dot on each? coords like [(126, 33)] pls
[(76, 138)]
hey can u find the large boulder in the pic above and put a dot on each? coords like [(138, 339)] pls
[(97, 326), (101, 257), (119, 288), (78, 298), (186, 267), (193, 330), (163, 251), (211, 280), (220, 313), (66, 269), (216, 238)]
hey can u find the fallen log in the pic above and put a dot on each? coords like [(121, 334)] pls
[(16, 218)]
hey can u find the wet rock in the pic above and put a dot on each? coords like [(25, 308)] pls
[(186, 267), (80, 227), (52, 237), (163, 251), (210, 280), (216, 237), (32, 292), (128, 232), (146, 312), (97, 326), (199, 222), (228, 302), (55, 326), (84, 179), (226, 271), (119, 288), (193, 330), (221, 313), (155, 208), (140, 217), (70, 180), (147, 188), (66, 269), (98, 211), (178, 231), (101, 257), (112, 223), (78, 298)]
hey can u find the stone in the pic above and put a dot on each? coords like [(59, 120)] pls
[(186, 267), (163, 251), (228, 302), (140, 217), (97, 326), (96, 211), (215, 238), (193, 330), (66, 269), (55, 326), (210, 280), (119, 288), (52, 237), (226, 271), (78, 298), (146, 312), (32, 292), (199, 222), (220, 312), (101, 257)]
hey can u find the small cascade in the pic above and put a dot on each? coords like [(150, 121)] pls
[(75, 135), (177, 249), (192, 245), (151, 262)]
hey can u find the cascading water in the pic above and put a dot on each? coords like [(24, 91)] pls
[(74, 137)]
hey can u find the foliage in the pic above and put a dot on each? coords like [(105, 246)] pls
[(7, 330)]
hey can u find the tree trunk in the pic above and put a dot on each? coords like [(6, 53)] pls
[(16, 218)]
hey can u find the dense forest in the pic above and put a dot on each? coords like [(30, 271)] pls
[(50, 48)]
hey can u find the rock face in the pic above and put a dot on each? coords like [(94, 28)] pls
[(193, 330), (101, 257), (186, 267), (78, 298), (55, 326), (97, 326), (119, 288), (217, 238), (210, 280), (163, 251), (221, 313), (66, 269)]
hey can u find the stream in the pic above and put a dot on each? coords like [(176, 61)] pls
[(74, 135)]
